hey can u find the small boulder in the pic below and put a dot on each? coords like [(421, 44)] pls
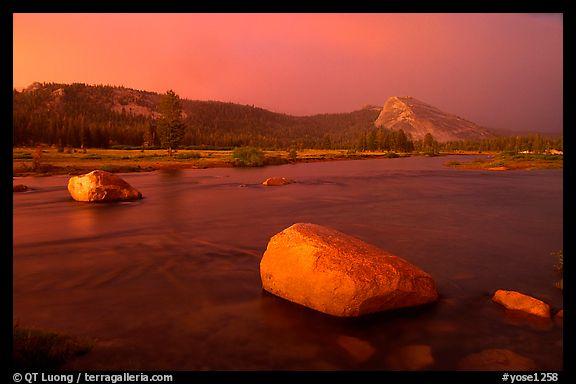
[(360, 350), (559, 317), (101, 186), (520, 302), (496, 360), (528, 320), (19, 188), (276, 181), (410, 358), (337, 274), (560, 314)]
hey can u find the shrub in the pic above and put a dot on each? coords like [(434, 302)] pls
[(35, 348), (126, 147), (92, 156), (274, 160), (207, 148), (37, 159), (189, 155), (248, 157), (292, 154), (22, 156)]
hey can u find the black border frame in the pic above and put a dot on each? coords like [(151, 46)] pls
[(389, 6)]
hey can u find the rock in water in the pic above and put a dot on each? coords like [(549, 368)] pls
[(520, 302), (340, 275), (19, 188), (496, 360), (101, 186), (410, 358), (276, 181), (360, 350), (560, 314)]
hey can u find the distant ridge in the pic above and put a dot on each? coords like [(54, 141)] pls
[(112, 115), (124, 116)]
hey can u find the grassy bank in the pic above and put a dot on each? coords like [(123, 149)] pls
[(508, 161), (27, 162), (36, 348)]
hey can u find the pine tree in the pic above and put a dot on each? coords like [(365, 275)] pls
[(170, 124)]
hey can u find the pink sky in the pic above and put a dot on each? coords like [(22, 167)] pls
[(499, 70)]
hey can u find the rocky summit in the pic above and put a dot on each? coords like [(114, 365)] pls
[(418, 118)]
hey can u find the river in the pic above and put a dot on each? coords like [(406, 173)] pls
[(172, 281)]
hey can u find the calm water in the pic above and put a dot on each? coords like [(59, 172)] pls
[(172, 281)]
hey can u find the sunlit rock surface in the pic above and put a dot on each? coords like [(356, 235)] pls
[(340, 275), (276, 181), (418, 118), (520, 302), (101, 186)]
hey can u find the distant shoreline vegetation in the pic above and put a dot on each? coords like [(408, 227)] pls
[(512, 161), (82, 116)]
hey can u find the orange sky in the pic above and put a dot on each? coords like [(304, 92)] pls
[(501, 71)]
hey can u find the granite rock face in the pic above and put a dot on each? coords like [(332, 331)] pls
[(418, 118), (520, 302), (101, 186), (337, 274)]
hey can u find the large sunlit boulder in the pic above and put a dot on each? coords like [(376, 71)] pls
[(340, 275), (101, 186), (520, 302)]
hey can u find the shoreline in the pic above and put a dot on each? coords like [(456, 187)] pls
[(510, 162), (53, 163)]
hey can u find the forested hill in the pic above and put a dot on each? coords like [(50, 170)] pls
[(102, 116)]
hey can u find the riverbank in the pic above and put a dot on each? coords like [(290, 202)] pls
[(52, 162), (506, 162)]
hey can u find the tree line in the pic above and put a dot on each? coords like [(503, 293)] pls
[(79, 115)]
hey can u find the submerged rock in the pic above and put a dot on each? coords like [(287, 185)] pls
[(340, 275), (559, 317), (528, 320), (520, 302), (360, 350), (496, 360), (560, 314), (276, 181), (410, 358), (19, 188), (101, 186)]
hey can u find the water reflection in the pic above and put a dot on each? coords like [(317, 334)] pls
[(172, 281)]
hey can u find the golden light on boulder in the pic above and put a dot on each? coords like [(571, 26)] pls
[(520, 302), (276, 181), (337, 274), (101, 186)]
